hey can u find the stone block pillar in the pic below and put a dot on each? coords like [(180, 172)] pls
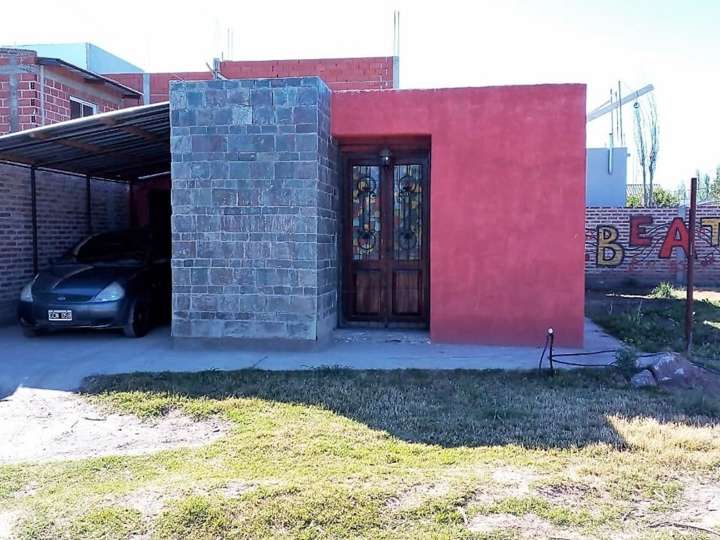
[(255, 211)]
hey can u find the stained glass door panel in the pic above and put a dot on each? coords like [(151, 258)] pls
[(366, 213), (407, 212), (385, 278)]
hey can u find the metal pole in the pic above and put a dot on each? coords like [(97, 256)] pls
[(33, 202), (620, 118), (690, 268), (131, 201), (88, 204), (611, 136)]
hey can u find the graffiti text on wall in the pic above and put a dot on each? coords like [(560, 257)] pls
[(648, 239)]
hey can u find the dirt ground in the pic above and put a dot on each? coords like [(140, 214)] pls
[(49, 425)]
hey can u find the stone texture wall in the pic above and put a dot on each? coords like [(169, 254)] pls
[(62, 222), (644, 246), (329, 219), (255, 202)]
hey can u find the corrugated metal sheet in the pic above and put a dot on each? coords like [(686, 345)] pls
[(124, 144)]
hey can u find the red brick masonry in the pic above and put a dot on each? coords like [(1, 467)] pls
[(62, 221), (42, 94), (629, 246), (373, 73)]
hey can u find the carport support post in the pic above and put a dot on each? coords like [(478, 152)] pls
[(33, 202), (88, 203), (131, 204)]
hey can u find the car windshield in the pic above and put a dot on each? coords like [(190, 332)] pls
[(124, 247)]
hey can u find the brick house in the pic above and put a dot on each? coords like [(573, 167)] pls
[(36, 91), (312, 194)]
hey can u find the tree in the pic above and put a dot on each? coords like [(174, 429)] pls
[(661, 197), (665, 198), (704, 187), (647, 145), (715, 185), (682, 193)]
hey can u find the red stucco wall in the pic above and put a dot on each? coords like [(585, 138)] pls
[(507, 203)]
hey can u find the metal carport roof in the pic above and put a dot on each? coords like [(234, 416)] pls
[(126, 144)]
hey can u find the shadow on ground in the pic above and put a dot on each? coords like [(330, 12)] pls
[(446, 408)]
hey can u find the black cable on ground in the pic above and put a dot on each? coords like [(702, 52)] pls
[(584, 365), (552, 358), (585, 353)]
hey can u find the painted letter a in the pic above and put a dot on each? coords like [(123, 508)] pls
[(677, 236), (609, 252)]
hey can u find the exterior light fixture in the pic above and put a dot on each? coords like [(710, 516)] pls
[(385, 156)]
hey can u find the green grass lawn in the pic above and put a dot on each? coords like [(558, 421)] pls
[(399, 454), (653, 323)]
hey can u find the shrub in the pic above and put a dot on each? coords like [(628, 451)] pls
[(626, 361), (664, 198), (660, 198), (663, 290), (634, 201)]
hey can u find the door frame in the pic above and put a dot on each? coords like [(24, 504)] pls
[(399, 157)]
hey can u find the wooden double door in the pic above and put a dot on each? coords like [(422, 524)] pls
[(386, 241)]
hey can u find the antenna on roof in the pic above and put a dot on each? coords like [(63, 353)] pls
[(396, 48), (396, 32), (215, 69)]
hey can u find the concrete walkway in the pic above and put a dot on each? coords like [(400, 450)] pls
[(60, 361)]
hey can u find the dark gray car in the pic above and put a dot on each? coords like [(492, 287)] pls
[(110, 280)]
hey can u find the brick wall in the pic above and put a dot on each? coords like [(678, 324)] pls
[(374, 73), (21, 84), (62, 222), (644, 246), (338, 73), (17, 90), (59, 87), (32, 95), (159, 83), (255, 201)]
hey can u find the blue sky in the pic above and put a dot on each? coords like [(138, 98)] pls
[(673, 44)]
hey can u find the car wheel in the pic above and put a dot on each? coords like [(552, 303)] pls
[(138, 323)]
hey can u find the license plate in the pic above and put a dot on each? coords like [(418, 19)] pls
[(59, 315)]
